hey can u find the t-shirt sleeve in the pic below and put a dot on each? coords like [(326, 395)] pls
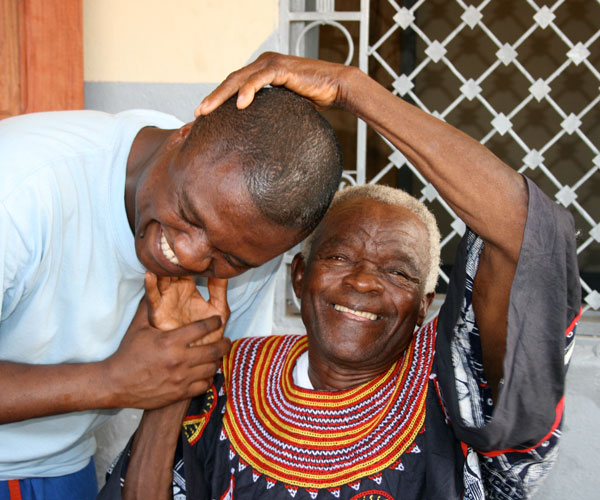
[(545, 302), (15, 265)]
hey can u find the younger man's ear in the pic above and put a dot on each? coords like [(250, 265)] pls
[(298, 266), (180, 135)]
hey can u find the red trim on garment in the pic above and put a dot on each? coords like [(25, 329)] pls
[(574, 322), (559, 412), (14, 489), (433, 377), (559, 409), (465, 448)]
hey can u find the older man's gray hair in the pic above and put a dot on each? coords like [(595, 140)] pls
[(391, 196)]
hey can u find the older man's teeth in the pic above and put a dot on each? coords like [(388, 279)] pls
[(168, 251), (362, 314)]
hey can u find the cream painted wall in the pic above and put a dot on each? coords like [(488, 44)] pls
[(182, 41)]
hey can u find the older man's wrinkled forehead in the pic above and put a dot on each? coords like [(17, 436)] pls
[(374, 226)]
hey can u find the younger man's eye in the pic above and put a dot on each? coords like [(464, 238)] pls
[(187, 220), (232, 263), (184, 216)]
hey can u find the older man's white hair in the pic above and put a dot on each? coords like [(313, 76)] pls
[(391, 196)]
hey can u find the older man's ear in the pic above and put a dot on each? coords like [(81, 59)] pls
[(426, 301), (298, 267)]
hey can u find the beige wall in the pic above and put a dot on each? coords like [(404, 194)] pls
[(180, 41)]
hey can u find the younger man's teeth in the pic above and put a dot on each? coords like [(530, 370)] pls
[(362, 314), (167, 251)]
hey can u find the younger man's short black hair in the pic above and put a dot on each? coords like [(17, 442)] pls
[(291, 159)]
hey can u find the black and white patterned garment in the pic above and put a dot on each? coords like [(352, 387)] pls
[(453, 442), (502, 476), (513, 444)]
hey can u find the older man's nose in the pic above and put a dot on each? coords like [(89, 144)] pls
[(364, 278)]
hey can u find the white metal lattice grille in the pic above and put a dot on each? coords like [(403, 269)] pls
[(571, 117)]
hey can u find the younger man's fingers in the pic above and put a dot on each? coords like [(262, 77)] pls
[(199, 329), (199, 387), (211, 337), (205, 355)]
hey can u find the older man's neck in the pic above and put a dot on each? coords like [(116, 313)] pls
[(326, 376)]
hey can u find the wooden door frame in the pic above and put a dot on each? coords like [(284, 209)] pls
[(41, 53)]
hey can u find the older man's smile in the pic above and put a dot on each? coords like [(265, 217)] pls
[(360, 314)]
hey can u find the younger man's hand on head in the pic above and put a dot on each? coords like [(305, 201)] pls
[(174, 302)]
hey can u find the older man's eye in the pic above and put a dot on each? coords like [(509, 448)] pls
[(334, 258), (400, 276)]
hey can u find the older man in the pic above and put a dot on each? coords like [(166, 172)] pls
[(370, 404), (88, 202)]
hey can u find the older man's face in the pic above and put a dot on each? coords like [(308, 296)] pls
[(362, 286)]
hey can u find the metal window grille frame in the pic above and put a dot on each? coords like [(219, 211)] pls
[(298, 18)]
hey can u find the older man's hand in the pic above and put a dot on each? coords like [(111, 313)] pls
[(174, 302), (319, 81)]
